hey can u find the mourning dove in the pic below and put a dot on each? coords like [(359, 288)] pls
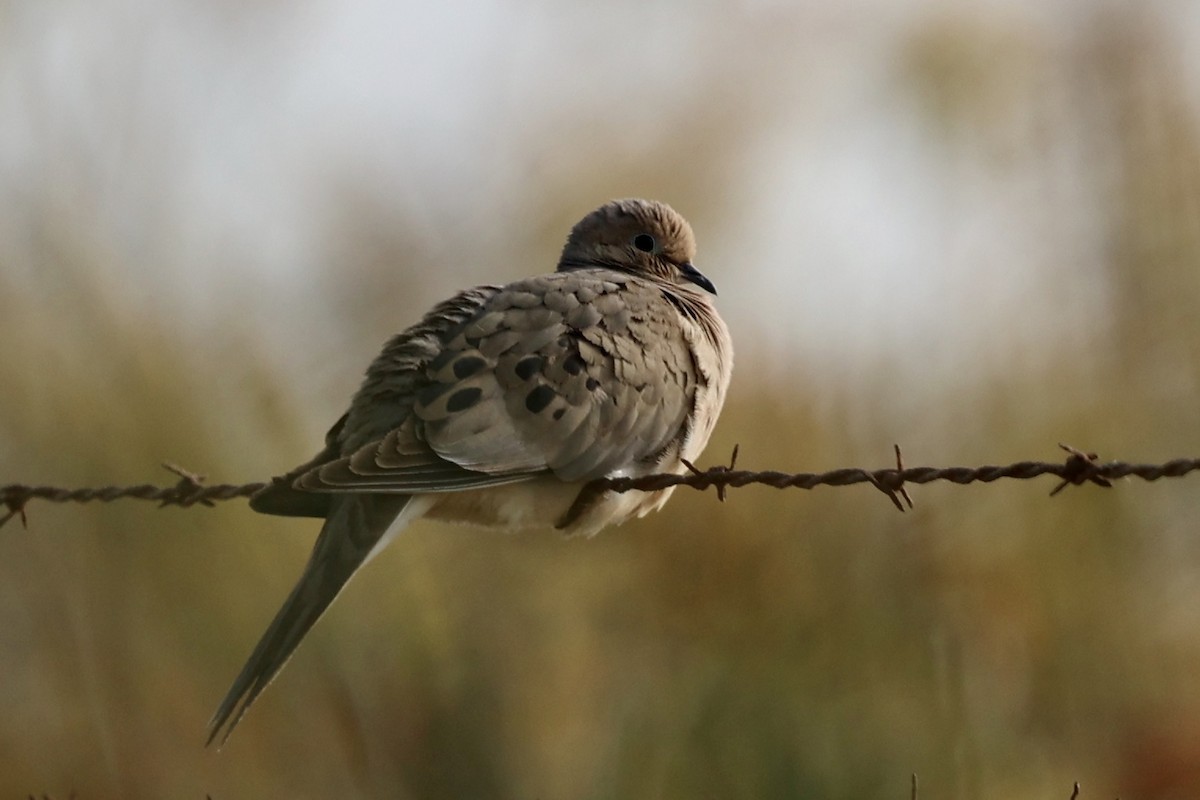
[(503, 402)]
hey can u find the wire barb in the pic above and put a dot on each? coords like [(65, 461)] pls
[(188, 490), (16, 506), (732, 463), (1081, 467), (891, 482)]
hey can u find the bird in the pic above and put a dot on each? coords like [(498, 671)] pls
[(502, 403)]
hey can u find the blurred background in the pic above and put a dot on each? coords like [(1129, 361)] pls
[(973, 229)]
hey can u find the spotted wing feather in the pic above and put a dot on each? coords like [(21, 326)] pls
[(572, 373)]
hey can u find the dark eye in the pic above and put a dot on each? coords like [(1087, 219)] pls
[(644, 242)]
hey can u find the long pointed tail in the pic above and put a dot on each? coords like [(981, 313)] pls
[(353, 531)]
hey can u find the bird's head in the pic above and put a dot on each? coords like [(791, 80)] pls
[(640, 237)]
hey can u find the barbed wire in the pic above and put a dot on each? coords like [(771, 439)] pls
[(1079, 467)]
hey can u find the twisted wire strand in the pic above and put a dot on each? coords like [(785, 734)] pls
[(1079, 467)]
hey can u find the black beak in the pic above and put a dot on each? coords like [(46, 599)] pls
[(692, 274)]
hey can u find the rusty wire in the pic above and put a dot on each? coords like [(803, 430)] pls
[(1079, 467)]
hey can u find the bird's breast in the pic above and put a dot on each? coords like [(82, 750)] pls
[(540, 503)]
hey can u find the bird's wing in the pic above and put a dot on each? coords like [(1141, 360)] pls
[(580, 374), (384, 402)]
